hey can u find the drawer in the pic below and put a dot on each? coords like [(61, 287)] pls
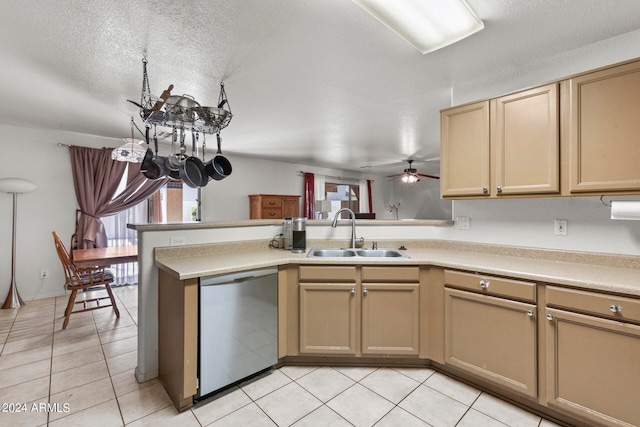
[(271, 213), (314, 273), (491, 285), (390, 274), (271, 202), (612, 307)]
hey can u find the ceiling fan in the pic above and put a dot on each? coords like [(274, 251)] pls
[(410, 175)]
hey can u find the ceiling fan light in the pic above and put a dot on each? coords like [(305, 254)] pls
[(426, 25)]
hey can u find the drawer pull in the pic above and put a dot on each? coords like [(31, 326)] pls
[(364, 291), (615, 308), (530, 313), (353, 291), (549, 316), (484, 284)]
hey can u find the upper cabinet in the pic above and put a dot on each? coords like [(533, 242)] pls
[(578, 136), (464, 150), (525, 136), (509, 145), (604, 130)]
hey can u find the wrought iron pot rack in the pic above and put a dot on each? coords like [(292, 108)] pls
[(182, 112)]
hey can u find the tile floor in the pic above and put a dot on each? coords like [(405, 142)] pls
[(85, 375)]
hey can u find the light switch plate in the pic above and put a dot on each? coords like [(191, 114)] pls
[(560, 227)]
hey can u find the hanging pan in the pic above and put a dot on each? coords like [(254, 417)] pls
[(158, 166), (148, 155), (192, 169), (219, 167)]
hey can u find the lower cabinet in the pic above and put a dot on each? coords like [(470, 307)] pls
[(593, 356), (369, 311), (489, 335)]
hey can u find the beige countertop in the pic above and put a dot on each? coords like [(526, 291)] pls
[(601, 272)]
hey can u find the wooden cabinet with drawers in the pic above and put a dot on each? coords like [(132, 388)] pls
[(593, 356), (273, 206), (490, 329)]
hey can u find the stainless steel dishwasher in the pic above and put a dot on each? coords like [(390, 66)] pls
[(238, 327)]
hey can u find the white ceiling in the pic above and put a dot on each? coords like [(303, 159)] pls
[(316, 82)]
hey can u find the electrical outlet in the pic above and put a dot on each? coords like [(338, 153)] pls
[(178, 241), (44, 274), (463, 222), (560, 227)]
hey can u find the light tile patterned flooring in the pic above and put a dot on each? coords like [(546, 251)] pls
[(87, 370)]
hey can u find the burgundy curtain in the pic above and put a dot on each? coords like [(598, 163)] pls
[(369, 193), (96, 178), (309, 198)]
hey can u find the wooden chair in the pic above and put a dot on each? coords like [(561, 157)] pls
[(79, 279)]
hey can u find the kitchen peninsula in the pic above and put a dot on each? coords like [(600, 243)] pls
[(522, 288)]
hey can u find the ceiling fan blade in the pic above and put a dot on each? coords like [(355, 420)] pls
[(394, 176), (429, 176)]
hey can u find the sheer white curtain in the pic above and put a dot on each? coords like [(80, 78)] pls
[(318, 182), (364, 196)]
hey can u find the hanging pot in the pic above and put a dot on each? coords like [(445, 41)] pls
[(148, 158), (219, 167), (192, 169)]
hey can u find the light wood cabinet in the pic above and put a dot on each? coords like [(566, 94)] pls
[(273, 206), (604, 130), (465, 150), (526, 141), (593, 343), (506, 146), (375, 312), (489, 336), (577, 136), (390, 311)]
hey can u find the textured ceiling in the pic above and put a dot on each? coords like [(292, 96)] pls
[(316, 82)]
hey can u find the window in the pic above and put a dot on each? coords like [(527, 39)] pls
[(342, 195)]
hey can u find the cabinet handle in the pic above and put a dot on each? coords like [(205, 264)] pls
[(364, 291), (499, 189), (549, 316), (353, 291), (530, 313), (484, 284), (485, 190), (615, 308)]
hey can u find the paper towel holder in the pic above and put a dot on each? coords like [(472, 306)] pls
[(623, 209)]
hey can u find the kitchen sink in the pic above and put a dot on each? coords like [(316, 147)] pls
[(355, 253), (331, 253)]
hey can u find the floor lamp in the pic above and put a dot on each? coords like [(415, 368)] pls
[(14, 186)]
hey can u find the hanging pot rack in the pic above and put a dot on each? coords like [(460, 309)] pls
[(183, 114), (183, 111)]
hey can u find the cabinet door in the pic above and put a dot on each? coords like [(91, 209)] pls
[(605, 130), (492, 338), (464, 150), (593, 368), (328, 318), (526, 139), (390, 318), (291, 207)]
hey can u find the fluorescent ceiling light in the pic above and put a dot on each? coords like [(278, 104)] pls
[(427, 24)]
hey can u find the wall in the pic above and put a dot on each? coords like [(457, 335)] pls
[(34, 154), (227, 200)]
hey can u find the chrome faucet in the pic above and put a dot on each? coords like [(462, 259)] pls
[(353, 225)]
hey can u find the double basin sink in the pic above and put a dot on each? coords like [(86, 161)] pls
[(351, 253)]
